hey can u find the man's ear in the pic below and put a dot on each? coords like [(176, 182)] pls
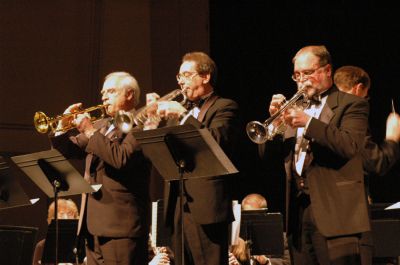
[(360, 90), (130, 94), (329, 70), (206, 78)]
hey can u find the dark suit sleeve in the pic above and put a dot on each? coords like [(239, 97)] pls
[(70, 145), (115, 153), (345, 138), (224, 124), (379, 159)]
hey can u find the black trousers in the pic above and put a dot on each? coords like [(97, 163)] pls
[(116, 251), (203, 244), (309, 247)]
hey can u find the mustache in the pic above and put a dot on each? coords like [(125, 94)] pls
[(308, 89)]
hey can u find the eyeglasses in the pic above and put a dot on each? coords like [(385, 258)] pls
[(296, 76), (185, 75), (108, 91)]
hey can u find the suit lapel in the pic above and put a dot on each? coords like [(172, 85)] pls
[(209, 102), (328, 112)]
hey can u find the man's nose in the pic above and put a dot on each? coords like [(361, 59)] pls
[(181, 82)]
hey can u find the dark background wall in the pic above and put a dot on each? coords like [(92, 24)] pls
[(54, 53), (253, 43)]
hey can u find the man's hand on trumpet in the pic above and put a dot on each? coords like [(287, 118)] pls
[(164, 109), (81, 121), (66, 122), (161, 110), (276, 103), (170, 109), (296, 117), (84, 124)]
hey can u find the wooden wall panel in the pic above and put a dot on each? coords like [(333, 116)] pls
[(177, 27), (45, 65), (56, 52)]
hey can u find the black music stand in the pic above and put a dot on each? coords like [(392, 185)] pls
[(17, 244), (202, 155), (55, 176), (67, 237), (11, 193), (264, 232), (184, 152)]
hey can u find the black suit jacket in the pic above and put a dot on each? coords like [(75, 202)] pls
[(121, 207), (379, 159), (335, 176), (209, 199)]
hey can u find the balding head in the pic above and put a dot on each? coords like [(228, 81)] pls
[(254, 201)]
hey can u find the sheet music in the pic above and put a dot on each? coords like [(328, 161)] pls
[(153, 236), (237, 210), (393, 206)]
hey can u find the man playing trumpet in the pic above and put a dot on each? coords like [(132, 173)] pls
[(115, 222), (207, 202), (327, 209)]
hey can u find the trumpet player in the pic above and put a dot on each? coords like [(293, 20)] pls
[(326, 208), (207, 202), (115, 218)]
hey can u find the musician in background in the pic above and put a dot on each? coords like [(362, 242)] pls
[(207, 202), (378, 159), (255, 201), (117, 216), (240, 253), (327, 209), (66, 209)]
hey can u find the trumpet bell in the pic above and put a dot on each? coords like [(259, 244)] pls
[(124, 121), (41, 122), (257, 132)]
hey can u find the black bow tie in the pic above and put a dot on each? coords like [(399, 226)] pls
[(318, 97), (193, 104), (315, 100)]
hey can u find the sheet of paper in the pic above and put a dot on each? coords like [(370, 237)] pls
[(393, 206)]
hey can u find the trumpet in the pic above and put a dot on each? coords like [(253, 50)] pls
[(44, 124), (259, 132), (125, 121)]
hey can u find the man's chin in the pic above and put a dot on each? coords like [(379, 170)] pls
[(311, 91), (110, 112), (191, 97)]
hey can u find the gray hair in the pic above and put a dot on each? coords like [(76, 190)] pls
[(128, 82), (320, 51)]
